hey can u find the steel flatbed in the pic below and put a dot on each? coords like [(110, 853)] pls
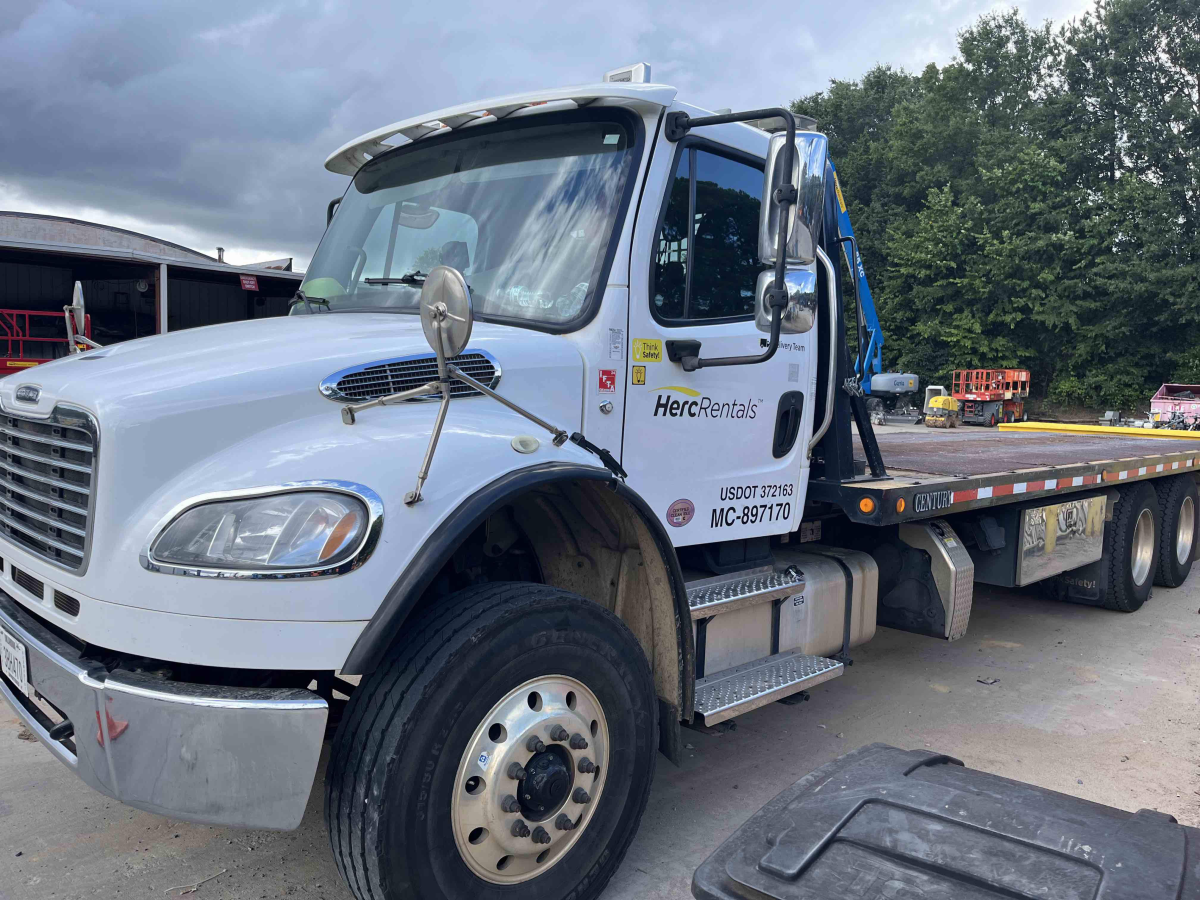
[(937, 472)]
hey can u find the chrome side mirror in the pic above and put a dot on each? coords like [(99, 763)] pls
[(76, 319), (801, 310), (804, 217)]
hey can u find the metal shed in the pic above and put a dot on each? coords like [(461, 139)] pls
[(134, 284)]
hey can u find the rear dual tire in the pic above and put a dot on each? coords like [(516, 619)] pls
[(1131, 548), (1179, 504)]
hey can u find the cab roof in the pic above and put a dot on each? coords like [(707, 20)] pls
[(347, 160)]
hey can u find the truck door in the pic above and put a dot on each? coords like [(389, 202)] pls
[(719, 453)]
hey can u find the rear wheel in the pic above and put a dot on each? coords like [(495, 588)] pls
[(1179, 504), (1131, 548), (992, 421), (510, 740)]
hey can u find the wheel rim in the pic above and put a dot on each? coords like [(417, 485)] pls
[(1143, 547), (562, 780), (1185, 531)]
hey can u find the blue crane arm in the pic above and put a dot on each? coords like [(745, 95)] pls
[(871, 361)]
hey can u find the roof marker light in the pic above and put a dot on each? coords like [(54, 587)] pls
[(638, 73)]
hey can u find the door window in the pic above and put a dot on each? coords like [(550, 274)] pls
[(706, 261)]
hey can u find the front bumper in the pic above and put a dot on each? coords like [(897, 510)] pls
[(220, 755)]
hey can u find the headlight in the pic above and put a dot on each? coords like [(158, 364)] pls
[(309, 529)]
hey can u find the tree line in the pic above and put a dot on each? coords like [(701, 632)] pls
[(1035, 202)]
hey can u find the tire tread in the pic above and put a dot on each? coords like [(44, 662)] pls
[(410, 668)]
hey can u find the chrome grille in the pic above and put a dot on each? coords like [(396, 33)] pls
[(46, 484), (391, 376)]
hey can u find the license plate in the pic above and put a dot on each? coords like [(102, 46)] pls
[(14, 661)]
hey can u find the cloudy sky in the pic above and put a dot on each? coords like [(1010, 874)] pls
[(209, 123)]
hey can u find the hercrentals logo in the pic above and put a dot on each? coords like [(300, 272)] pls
[(699, 406)]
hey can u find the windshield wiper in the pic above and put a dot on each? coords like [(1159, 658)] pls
[(301, 297), (416, 277)]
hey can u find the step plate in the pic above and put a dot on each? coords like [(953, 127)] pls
[(722, 594), (732, 692)]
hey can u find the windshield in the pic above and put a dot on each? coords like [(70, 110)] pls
[(524, 210)]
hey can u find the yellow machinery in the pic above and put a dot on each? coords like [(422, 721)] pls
[(941, 412)]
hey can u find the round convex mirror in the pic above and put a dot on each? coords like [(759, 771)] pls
[(446, 300), (79, 312)]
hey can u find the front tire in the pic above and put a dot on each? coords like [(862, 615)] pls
[(1179, 505), (430, 739)]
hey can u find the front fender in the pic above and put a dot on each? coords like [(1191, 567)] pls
[(383, 451)]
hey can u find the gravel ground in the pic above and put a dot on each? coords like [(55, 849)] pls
[(1097, 704)]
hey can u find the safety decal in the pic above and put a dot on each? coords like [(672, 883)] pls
[(608, 381), (616, 342), (647, 350), (639, 374), (680, 513)]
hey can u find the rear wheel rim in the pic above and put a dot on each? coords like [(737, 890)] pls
[(1142, 553), (1185, 531), (483, 827)]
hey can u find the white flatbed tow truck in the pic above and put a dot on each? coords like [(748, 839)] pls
[(556, 453)]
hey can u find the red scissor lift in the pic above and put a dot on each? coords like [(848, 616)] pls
[(990, 396), (29, 337)]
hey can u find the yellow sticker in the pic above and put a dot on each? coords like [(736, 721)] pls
[(837, 186), (21, 365), (639, 374), (647, 350)]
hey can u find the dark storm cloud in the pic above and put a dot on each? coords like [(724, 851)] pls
[(218, 116)]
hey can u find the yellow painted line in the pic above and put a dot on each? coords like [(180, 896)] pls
[(1061, 428)]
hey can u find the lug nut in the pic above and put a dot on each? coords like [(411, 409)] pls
[(541, 835), (564, 823), (558, 733), (578, 743), (510, 803), (535, 745), (580, 795), (520, 829), (515, 772), (586, 766)]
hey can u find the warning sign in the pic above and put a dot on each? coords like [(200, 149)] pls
[(249, 282)]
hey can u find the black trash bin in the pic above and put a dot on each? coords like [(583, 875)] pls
[(887, 824)]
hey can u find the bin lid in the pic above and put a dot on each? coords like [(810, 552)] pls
[(887, 824)]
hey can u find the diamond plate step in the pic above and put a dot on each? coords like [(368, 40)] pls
[(730, 693), (725, 593)]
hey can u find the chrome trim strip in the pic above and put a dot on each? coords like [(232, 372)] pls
[(372, 501), (45, 479), (328, 386), (64, 415), (44, 498), (45, 520), (48, 460), (44, 538), (54, 442)]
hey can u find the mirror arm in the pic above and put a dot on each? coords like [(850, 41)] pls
[(678, 124)]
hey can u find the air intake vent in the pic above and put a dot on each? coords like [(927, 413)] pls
[(46, 484), (391, 376), (66, 603), (28, 582)]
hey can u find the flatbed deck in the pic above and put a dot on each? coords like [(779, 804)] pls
[(935, 472)]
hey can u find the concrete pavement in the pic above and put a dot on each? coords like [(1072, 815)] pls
[(1092, 703)]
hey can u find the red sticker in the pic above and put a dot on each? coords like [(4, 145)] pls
[(680, 513), (608, 381)]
